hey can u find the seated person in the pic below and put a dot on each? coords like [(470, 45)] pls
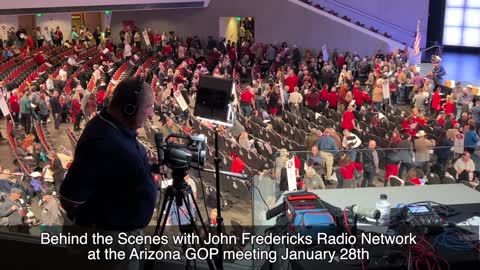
[(316, 161), (10, 208), (8, 181), (312, 180), (464, 167)]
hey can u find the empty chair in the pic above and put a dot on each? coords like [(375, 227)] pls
[(447, 179), (433, 179), (396, 181), (419, 173)]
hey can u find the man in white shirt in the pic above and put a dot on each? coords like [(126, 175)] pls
[(72, 60), (464, 164), (62, 74)]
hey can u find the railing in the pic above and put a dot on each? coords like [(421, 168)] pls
[(397, 32)]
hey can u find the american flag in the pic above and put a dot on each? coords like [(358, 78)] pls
[(418, 38)]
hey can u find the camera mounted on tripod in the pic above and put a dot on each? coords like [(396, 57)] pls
[(176, 155)]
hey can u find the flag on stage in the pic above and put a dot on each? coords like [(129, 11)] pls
[(418, 38)]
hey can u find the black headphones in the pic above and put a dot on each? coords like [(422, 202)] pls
[(131, 98)]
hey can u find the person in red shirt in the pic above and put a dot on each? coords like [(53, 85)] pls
[(237, 164), (39, 59), (100, 98), (333, 99), (436, 101), (449, 106), (348, 119), (441, 119), (76, 112), (347, 172), (167, 50), (324, 97), (312, 100), (291, 80), (247, 102), (13, 104)]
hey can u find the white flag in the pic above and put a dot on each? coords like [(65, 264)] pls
[(291, 175), (145, 37), (386, 89), (325, 52), (4, 106), (180, 100)]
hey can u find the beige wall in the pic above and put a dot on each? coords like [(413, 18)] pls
[(52, 20)]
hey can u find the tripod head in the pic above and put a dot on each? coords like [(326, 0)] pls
[(180, 186)]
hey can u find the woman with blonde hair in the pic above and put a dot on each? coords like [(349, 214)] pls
[(377, 96)]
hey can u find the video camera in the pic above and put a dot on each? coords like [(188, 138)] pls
[(175, 155)]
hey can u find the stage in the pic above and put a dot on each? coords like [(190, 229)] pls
[(462, 67)]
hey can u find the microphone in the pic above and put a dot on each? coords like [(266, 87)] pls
[(366, 212), (159, 144), (277, 210)]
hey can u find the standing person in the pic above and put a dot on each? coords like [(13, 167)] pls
[(370, 164), (76, 112), (247, 102), (348, 119), (436, 104), (127, 50), (348, 170), (471, 139), (312, 100), (377, 96), (26, 112), (58, 36), (422, 150), (392, 162), (405, 154), (328, 148), (295, 100), (39, 36), (43, 109), (10, 209), (90, 191), (56, 109), (51, 210), (273, 100), (14, 105)]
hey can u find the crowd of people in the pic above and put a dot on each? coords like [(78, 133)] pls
[(272, 80)]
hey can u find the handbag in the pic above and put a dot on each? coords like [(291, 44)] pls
[(358, 176)]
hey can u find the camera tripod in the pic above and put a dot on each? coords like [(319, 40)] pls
[(181, 192)]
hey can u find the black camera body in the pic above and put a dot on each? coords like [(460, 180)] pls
[(176, 155)]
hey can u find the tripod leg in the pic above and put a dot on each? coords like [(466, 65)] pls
[(204, 227), (168, 200), (186, 201)]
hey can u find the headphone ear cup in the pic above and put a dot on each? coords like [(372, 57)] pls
[(130, 109)]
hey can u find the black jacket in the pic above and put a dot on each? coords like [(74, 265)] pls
[(55, 104)]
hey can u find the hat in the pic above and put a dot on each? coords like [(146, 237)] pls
[(469, 86), (16, 190), (49, 191), (421, 133), (35, 174)]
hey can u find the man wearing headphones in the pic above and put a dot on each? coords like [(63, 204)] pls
[(109, 186)]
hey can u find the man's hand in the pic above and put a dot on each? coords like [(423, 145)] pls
[(14, 207)]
